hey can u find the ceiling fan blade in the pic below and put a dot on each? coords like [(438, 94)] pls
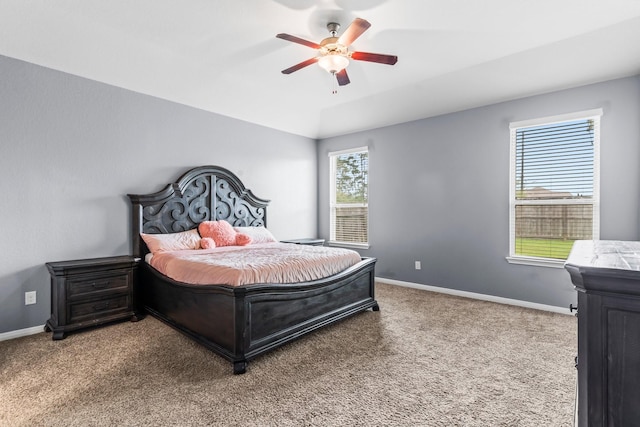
[(374, 57), (295, 39), (300, 65), (343, 78), (355, 30)]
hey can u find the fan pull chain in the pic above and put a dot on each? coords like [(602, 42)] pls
[(334, 83)]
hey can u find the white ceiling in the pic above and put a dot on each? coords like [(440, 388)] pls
[(223, 56)]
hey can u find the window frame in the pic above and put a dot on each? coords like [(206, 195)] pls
[(332, 198), (596, 115)]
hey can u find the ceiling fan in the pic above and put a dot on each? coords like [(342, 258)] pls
[(333, 52)]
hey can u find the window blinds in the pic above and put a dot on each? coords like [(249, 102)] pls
[(555, 161), (554, 183)]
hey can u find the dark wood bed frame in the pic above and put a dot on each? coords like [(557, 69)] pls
[(239, 323)]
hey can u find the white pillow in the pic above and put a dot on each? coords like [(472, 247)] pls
[(173, 241), (257, 234)]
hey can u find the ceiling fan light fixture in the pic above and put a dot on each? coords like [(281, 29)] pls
[(333, 63), (333, 52)]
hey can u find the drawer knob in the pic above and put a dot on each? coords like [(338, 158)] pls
[(101, 306), (100, 285)]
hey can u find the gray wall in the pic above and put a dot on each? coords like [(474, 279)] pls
[(71, 149), (439, 191)]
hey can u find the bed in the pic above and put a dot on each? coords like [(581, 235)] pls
[(237, 322)]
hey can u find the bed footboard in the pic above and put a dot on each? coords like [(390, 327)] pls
[(240, 323)]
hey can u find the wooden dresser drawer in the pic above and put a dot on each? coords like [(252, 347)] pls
[(83, 311), (87, 285)]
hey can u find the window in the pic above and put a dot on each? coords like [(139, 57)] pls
[(349, 197), (554, 186)]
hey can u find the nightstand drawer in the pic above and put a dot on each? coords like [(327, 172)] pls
[(83, 311), (87, 285)]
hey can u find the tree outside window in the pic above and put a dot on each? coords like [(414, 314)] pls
[(349, 199)]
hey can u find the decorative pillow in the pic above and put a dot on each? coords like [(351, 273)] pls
[(257, 234), (223, 233), (173, 241), (207, 243)]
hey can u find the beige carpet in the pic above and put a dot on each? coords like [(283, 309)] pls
[(425, 359)]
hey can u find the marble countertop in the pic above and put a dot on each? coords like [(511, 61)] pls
[(616, 254)]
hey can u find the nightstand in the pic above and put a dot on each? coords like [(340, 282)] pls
[(307, 241), (91, 292)]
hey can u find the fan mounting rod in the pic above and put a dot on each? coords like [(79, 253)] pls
[(333, 28)]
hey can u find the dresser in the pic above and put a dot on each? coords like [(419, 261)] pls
[(606, 275), (91, 292)]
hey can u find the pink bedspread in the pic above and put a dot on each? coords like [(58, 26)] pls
[(259, 263)]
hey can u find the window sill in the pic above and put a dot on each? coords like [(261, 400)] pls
[(538, 262), (349, 245)]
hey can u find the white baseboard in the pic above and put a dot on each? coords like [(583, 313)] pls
[(37, 329), (21, 333), (474, 295)]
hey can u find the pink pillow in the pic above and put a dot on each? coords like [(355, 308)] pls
[(222, 233), (207, 243)]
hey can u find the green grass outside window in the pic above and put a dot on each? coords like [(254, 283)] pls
[(544, 248)]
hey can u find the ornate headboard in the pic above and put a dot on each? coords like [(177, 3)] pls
[(205, 193)]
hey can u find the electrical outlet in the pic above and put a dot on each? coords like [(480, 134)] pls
[(418, 265), (29, 298)]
